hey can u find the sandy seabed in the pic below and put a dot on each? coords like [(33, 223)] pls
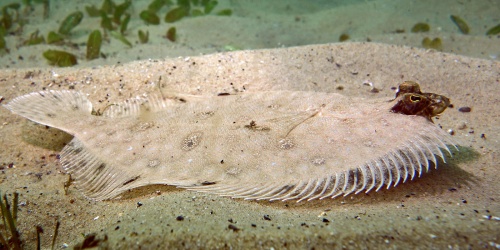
[(455, 206)]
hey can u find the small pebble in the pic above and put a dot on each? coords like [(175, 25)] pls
[(233, 227), (180, 218), (465, 109), (462, 126)]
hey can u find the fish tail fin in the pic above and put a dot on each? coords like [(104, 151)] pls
[(54, 108)]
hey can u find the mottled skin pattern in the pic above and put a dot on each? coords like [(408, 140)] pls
[(411, 101), (275, 145)]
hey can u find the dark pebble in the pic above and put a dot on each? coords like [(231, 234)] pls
[(325, 220), (266, 217), (465, 109), (233, 227), (180, 218)]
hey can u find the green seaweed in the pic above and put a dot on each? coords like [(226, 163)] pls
[(70, 22), (461, 24), (10, 221), (107, 6), (436, 43), (344, 37), (143, 36), (60, 58), (120, 10), (94, 45), (93, 11), (8, 11), (39, 230), (176, 14), (54, 238), (209, 6), (121, 38), (156, 5), (34, 39), (184, 3), (225, 12), (172, 34), (420, 27), (54, 37), (493, 31), (106, 22), (124, 24), (6, 20), (149, 17)]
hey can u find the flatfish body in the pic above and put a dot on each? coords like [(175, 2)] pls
[(262, 145)]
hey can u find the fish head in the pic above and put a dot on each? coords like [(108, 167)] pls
[(427, 105)]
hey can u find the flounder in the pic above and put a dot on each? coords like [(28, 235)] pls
[(280, 145)]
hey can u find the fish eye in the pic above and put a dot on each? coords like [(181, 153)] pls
[(415, 98)]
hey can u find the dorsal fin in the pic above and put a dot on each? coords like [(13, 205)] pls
[(389, 169), (140, 106)]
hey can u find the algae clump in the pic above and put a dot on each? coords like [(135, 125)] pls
[(60, 58), (94, 45), (149, 17), (143, 36), (172, 34), (493, 31), (70, 22), (176, 14), (436, 43), (461, 24), (420, 27)]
